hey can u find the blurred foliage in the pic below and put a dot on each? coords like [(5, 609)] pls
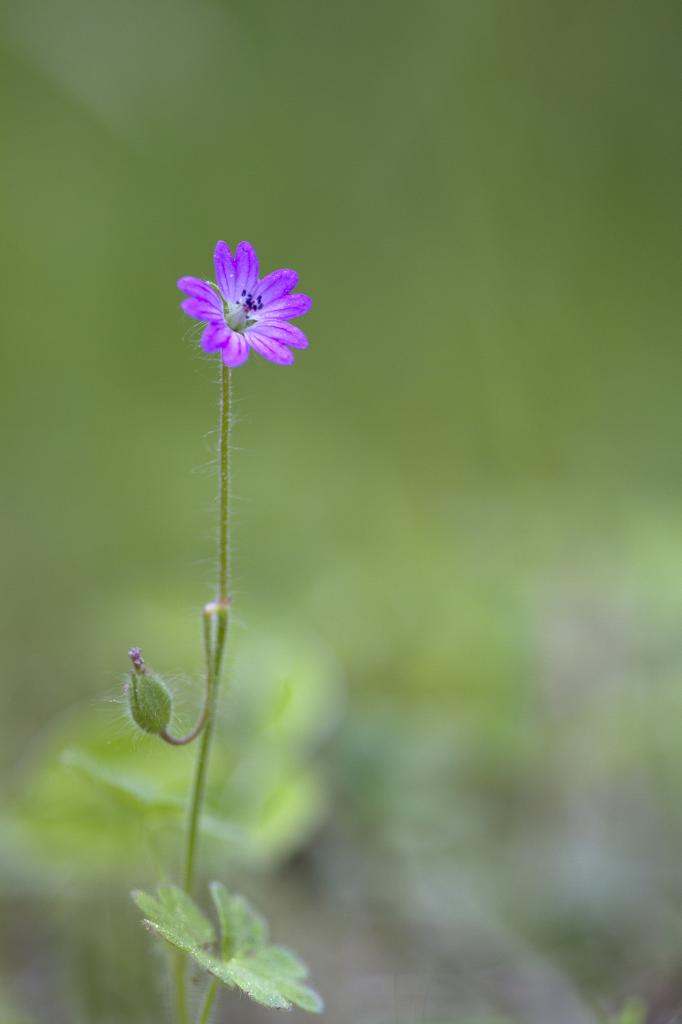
[(9, 1014), (100, 799), (449, 756)]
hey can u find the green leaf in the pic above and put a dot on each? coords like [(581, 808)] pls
[(261, 988), (140, 794), (302, 996), (176, 902), (282, 961), (270, 975), (176, 918), (265, 985), (120, 785), (243, 930), (219, 828)]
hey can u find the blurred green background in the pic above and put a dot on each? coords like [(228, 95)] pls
[(450, 763)]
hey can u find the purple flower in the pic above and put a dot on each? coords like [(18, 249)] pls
[(242, 311)]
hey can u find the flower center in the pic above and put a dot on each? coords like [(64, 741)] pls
[(238, 314)]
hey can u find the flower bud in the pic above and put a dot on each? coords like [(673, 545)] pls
[(149, 701)]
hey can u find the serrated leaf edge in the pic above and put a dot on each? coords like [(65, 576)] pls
[(224, 970)]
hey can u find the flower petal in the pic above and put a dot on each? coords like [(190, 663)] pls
[(246, 269), (291, 305), (276, 286), (201, 310), (284, 332), (216, 336), (236, 351), (197, 289), (224, 270), (272, 350)]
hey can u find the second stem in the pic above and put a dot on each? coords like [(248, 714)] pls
[(216, 622)]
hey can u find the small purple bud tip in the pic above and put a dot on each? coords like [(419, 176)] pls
[(135, 655)]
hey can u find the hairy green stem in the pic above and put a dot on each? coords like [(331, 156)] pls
[(179, 977), (199, 787), (216, 622), (224, 471), (209, 999), (182, 741), (216, 633)]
